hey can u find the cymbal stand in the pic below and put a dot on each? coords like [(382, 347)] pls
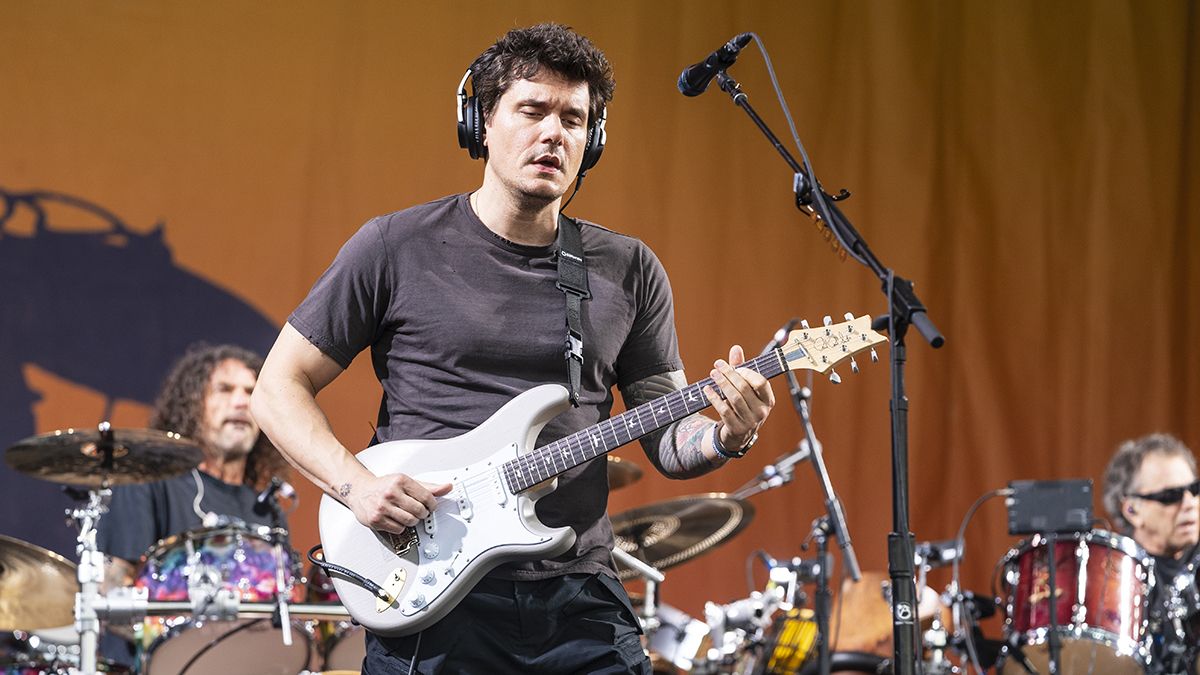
[(821, 606), (282, 590), (90, 575), (91, 560), (653, 577)]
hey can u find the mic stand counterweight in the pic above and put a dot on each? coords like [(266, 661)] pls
[(904, 309)]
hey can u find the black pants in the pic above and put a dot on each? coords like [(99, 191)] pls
[(580, 623)]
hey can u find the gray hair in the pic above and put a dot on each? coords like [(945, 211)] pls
[(1124, 465)]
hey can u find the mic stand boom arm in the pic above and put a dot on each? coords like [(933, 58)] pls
[(904, 309)]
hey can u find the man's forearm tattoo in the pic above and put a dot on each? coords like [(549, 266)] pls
[(344, 490), (675, 450)]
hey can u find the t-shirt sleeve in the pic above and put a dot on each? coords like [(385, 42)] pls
[(346, 307), (652, 346)]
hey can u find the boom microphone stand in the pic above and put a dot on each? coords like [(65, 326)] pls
[(904, 309)]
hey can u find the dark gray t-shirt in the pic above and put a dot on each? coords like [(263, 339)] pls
[(460, 320), (140, 515)]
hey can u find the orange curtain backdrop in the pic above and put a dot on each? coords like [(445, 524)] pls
[(1033, 167)]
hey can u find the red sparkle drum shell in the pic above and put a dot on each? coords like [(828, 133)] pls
[(1103, 583)]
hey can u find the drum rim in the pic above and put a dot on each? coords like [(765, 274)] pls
[(1120, 645), (1114, 540), (145, 658), (264, 533)]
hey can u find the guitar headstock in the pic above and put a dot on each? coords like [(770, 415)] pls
[(823, 347)]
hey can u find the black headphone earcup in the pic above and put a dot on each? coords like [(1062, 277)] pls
[(470, 131), (594, 148)]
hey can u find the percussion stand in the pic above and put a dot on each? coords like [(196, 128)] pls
[(653, 577), (90, 574), (1053, 638), (821, 607)]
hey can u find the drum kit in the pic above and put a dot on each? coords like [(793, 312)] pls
[(227, 599), (1104, 620), (231, 598)]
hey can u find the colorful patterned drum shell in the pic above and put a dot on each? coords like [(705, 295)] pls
[(246, 560)]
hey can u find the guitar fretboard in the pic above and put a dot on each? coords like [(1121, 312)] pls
[(587, 444)]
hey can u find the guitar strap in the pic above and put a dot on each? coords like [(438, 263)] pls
[(573, 282)]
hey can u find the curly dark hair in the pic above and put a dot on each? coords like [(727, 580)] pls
[(1124, 465), (180, 405), (522, 52)]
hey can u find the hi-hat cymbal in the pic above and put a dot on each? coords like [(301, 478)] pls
[(668, 533), (82, 457), (37, 587), (622, 473)]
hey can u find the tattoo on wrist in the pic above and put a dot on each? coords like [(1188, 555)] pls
[(344, 490)]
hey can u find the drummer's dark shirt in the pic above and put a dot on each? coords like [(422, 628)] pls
[(141, 515), (1167, 570)]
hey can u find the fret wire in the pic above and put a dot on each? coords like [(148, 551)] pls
[(581, 446)]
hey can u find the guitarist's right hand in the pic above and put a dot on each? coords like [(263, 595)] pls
[(393, 502)]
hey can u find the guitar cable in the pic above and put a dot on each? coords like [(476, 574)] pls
[(329, 568)]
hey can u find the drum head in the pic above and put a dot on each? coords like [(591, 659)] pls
[(229, 648)]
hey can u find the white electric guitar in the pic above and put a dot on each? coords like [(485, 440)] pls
[(488, 517)]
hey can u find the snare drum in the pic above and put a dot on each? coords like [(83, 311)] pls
[(1103, 584), (248, 561)]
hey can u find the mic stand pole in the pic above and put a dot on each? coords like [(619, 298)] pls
[(904, 308)]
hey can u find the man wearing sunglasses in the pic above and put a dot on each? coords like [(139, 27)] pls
[(1152, 492)]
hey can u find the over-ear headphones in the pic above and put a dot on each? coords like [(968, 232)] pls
[(470, 129)]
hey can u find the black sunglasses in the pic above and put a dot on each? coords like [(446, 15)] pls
[(1171, 495)]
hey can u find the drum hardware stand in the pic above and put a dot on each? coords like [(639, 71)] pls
[(821, 531), (653, 577), (904, 309), (281, 596), (91, 560)]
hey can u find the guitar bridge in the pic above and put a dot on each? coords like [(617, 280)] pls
[(399, 543)]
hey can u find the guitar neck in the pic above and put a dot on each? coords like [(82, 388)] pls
[(587, 444)]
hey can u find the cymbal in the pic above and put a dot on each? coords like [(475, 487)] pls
[(668, 533), (37, 587), (622, 473), (78, 457)]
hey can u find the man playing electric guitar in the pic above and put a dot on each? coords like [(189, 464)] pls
[(460, 302)]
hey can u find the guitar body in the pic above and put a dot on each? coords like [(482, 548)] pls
[(498, 475), (477, 526)]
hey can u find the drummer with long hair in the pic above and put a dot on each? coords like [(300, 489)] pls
[(206, 397), (1152, 493)]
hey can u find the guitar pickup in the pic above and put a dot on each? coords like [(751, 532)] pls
[(464, 503)]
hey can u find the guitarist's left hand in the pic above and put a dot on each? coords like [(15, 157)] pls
[(748, 399)]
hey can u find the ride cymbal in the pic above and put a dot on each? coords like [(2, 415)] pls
[(665, 534), (104, 456)]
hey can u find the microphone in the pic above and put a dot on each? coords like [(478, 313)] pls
[(780, 336), (695, 78), (279, 485)]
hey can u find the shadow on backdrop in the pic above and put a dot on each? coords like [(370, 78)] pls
[(105, 308)]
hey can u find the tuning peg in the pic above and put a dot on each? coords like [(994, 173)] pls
[(848, 316), (804, 324), (834, 377), (874, 356), (827, 321), (853, 365)]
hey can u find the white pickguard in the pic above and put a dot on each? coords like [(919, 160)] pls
[(475, 527)]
